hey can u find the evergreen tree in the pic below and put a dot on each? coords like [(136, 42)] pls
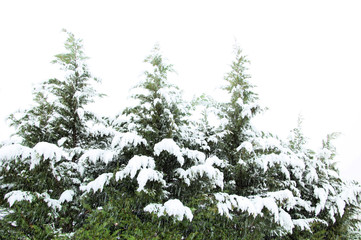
[(241, 108), (334, 202), (33, 124), (40, 177), (257, 162), (158, 171)]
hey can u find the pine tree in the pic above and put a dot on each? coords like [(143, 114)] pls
[(261, 171), (33, 124), (337, 200), (40, 176), (158, 172), (334, 202), (241, 108), (59, 113)]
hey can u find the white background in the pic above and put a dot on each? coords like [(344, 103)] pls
[(305, 56)]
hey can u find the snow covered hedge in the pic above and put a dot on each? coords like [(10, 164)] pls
[(164, 168)]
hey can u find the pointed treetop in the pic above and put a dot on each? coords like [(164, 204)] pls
[(160, 67), (297, 139), (74, 56), (238, 75)]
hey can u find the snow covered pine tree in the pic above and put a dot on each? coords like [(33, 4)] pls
[(39, 174), (335, 203), (270, 190)]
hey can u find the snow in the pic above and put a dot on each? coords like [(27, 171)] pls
[(17, 195), (303, 224), (321, 194), (147, 106), (80, 70), (172, 207), (247, 108), (267, 143), (206, 169), (11, 140), (67, 196), (286, 221), (139, 91), (168, 94), (285, 172), (93, 155), (148, 174), (333, 174), (307, 205), (329, 188), (195, 155), (226, 203), (155, 208), (214, 160), (122, 140), (52, 203), (284, 197), (254, 205), (4, 212), (98, 183), (311, 175), (350, 192), (13, 151), (213, 138), (324, 153), (80, 112), (270, 160), (223, 209), (42, 149), (145, 165), (49, 151), (99, 129), (171, 147), (348, 195), (340, 206), (271, 205), (135, 163), (62, 141), (156, 101), (246, 145), (121, 119)]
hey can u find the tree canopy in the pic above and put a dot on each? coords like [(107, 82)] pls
[(161, 169)]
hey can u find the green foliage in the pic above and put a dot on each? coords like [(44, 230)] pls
[(121, 219), (59, 111), (58, 117), (297, 139), (29, 219), (207, 181), (32, 125), (159, 112)]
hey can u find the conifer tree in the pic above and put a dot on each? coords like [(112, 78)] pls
[(158, 172), (41, 175), (261, 169), (33, 124), (337, 200), (238, 111), (334, 202)]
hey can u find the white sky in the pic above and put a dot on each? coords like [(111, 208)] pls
[(305, 55)]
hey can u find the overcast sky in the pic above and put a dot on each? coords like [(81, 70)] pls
[(305, 56)]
